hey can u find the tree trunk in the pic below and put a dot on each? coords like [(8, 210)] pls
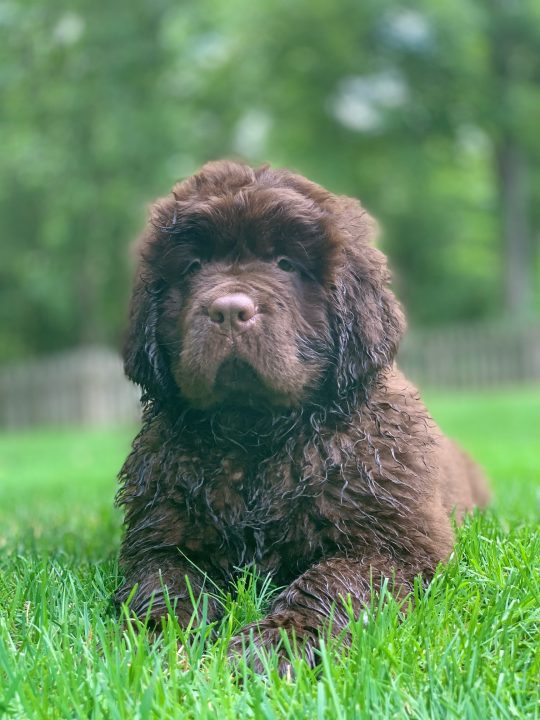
[(510, 160), (513, 201), (87, 294)]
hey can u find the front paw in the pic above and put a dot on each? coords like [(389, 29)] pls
[(287, 635), (151, 608)]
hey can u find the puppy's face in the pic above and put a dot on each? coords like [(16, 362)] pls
[(248, 293), (244, 314)]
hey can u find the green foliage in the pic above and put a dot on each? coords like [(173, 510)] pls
[(468, 648), (408, 107)]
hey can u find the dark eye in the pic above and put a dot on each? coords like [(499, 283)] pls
[(285, 265), (193, 267)]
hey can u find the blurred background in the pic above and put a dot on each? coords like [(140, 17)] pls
[(428, 110)]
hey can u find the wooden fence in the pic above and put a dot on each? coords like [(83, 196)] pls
[(81, 387), (88, 387), (473, 356)]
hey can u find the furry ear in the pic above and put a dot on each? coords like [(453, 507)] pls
[(144, 361), (368, 320)]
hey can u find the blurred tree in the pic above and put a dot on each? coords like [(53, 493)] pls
[(85, 142), (427, 111), (494, 68), (514, 48)]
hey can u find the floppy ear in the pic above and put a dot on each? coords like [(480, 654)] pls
[(368, 320), (144, 361)]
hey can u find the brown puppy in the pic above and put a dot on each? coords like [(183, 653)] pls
[(277, 430)]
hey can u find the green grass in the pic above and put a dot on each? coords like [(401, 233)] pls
[(468, 649)]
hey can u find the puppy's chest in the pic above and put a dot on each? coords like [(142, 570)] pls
[(256, 507), (246, 493), (292, 508)]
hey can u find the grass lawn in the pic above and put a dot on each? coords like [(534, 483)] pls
[(470, 648)]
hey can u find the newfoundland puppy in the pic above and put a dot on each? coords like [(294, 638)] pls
[(277, 430)]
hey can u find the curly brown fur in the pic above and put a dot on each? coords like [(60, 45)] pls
[(278, 432)]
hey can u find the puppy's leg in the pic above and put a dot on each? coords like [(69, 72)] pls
[(148, 584), (319, 595), (152, 560)]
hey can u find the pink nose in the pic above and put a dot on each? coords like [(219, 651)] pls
[(233, 311)]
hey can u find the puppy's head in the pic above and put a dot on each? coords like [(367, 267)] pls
[(258, 288)]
